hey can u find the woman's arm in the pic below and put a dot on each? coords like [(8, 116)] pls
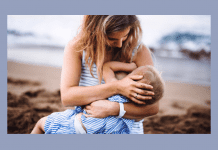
[(134, 111), (71, 93), (105, 108)]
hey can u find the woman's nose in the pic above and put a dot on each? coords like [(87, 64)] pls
[(119, 43)]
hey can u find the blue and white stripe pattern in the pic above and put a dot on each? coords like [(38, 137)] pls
[(111, 124), (86, 78), (63, 122)]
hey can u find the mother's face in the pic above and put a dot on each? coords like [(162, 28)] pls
[(116, 39)]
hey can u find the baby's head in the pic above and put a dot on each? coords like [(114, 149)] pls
[(152, 77)]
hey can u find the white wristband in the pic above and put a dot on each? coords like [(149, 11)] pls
[(122, 111)]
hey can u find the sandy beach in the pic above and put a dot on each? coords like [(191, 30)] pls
[(34, 92)]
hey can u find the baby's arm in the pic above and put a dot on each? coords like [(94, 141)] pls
[(111, 67)]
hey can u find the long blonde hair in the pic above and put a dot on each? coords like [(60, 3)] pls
[(93, 38)]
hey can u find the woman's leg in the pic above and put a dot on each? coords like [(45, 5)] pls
[(39, 127)]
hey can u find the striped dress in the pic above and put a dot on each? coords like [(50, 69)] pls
[(63, 122)]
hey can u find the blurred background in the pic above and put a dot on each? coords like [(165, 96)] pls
[(180, 43)]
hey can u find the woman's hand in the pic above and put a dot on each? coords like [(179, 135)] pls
[(135, 91), (101, 109)]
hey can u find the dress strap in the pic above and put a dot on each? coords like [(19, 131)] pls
[(135, 51), (83, 56)]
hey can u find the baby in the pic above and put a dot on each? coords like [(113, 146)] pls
[(74, 122)]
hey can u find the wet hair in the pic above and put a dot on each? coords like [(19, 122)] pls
[(153, 77), (93, 37)]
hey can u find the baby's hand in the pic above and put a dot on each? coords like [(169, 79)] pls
[(133, 66)]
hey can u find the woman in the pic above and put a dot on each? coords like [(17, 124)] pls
[(104, 38)]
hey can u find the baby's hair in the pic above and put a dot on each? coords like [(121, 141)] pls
[(151, 76)]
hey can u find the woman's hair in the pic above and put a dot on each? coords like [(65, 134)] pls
[(93, 38)]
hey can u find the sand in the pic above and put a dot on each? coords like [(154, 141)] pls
[(34, 92)]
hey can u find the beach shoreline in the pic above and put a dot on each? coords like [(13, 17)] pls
[(34, 92)]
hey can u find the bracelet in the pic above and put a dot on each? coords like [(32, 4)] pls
[(122, 111)]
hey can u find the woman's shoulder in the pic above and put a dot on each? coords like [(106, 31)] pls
[(143, 55), (137, 49), (72, 44), (72, 49), (141, 48)]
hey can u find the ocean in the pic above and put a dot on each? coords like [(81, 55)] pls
[(41, 40)]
